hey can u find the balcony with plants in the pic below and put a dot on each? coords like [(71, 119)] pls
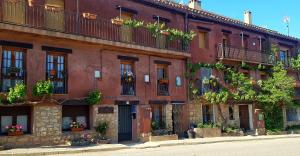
[(130, 31)]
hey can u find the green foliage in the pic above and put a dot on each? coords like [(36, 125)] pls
[(157, 125), (156, 28), (295, 63), (231, 129), (273, 117), (132, 23), (16, 94), (274, 131), (217, 97), (210, 125), (245, 66), (277, 89), (42, 88), (94, 97), (102, 128)]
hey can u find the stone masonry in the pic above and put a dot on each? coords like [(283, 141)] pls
[(169, 121), (111, 118)]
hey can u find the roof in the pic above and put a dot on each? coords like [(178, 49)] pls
[(222, 19)]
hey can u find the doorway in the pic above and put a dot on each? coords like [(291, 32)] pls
[(124, 123), (244, 117)]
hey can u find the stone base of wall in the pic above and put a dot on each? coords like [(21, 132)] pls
[(207, 132), (195, 113), (169, 120), (28, 140), (163, 138)]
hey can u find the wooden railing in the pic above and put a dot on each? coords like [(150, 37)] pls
[(247, 55), (18, 12)]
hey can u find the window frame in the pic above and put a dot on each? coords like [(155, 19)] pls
[(132, 64), (81, 110), (231, 113), (165, 76), (208, 113), (65, 75), (15, 112), (205, 42), (13, 61), (162, 114)]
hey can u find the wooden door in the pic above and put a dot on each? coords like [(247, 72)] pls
[(54, 15), (244, 117), (125, 123), (180, 119), (14, 11)]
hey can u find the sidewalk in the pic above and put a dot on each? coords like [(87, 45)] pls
[(113, 147)]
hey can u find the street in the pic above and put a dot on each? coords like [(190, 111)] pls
[(278, 147)]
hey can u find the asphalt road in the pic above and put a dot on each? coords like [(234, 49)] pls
[(279, 147)]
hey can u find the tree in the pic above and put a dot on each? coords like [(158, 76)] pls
[(274, 92)]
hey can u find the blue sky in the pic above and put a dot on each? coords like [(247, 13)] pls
[(266, 13)]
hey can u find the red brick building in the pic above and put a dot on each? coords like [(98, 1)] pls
[(77, 47)]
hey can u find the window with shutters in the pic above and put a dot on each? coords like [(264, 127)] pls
[(203, 38)]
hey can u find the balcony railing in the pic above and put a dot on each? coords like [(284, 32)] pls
[(51, 18), (127, 86), (163, 88), (243, 54)]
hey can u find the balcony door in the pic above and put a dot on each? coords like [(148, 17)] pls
[(14, 11), (54, 15)]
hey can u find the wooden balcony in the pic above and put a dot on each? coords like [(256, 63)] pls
[(19, 13), (246, 55)]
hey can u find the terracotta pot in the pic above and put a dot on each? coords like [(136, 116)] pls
[(53, 72), (166, 33), (77, 129), (164, 81), (17, 133)]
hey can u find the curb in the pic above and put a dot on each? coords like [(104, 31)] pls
[(144, 147)]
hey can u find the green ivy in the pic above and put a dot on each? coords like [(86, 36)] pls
[(94, 97), (102, 128), (16, 94), (42, 88)]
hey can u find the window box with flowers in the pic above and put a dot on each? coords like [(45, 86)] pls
[(16, 130), (163, 81), (77, 127)]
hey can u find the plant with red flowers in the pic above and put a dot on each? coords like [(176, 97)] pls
[(14, 130), (76, 126)]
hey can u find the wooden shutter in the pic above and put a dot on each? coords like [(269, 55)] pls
[(202, 40)]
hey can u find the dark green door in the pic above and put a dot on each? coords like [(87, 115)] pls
[(125, 123)]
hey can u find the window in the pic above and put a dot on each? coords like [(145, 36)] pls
[(293, 114), (283, 56), (158, 115), (75, 113), (57, 72), (15, 116), (127, 78), (231, 113), (203, 40), (13, 67), (205, 74), (162, 80), (207, 112)]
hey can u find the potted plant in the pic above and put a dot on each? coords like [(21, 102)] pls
[(132, 23), (94, 97), (42, 89), (128, 76), (117, 21), (76, 127), (156, 28), (165, 32), (13, 70), (16, 130), (102, 129)]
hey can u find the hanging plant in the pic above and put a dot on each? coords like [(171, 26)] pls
[(16, 94), (261, 67), (156, 28), (245, 66), (42, 88), (132, 23), (94, 97)]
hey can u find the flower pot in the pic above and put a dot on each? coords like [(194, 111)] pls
[(77, 129), (53, 72), (16, 133), (164, 81), (164, 32), (117, 21)]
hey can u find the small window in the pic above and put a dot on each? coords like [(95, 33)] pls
[(127, 78), (203, 40), (158, 115), (75, 113), (283, 56), (11, 116), (162, 80), (57, 72), (231, 113), (205, 74), (292, 114), (207, 112)]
